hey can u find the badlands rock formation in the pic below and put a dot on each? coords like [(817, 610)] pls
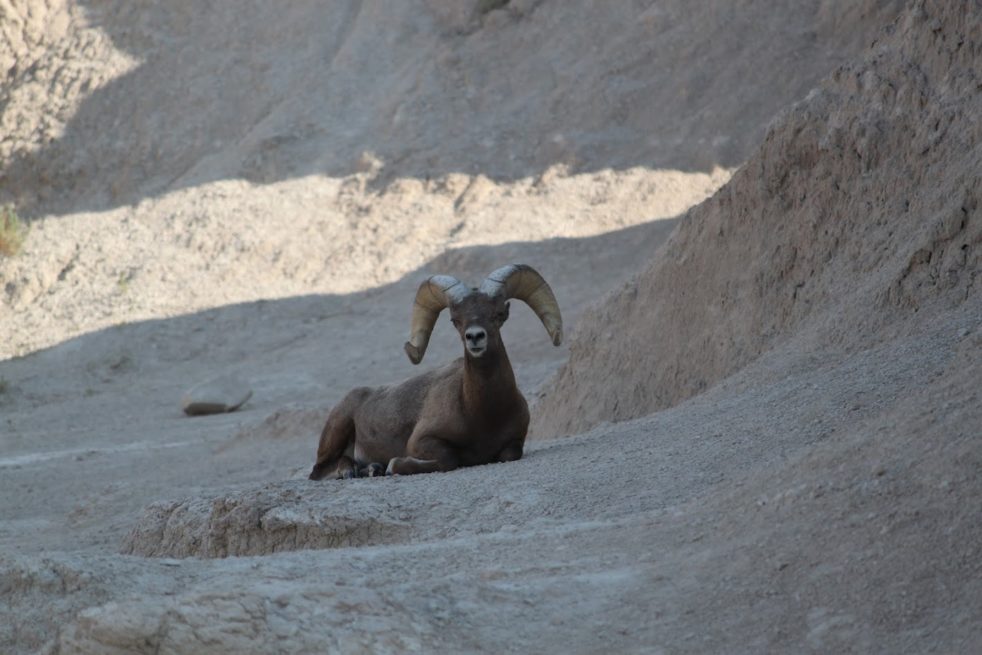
[(770, 407)]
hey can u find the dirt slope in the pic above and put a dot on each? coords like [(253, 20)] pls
[(270, 91), (859, 214), (823, 512), (163, 150), (818, 495)]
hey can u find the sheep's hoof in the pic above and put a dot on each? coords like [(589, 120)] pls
[(372, 470)]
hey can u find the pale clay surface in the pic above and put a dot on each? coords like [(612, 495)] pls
[(773, 397)]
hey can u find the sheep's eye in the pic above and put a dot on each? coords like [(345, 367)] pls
[(455, 322)]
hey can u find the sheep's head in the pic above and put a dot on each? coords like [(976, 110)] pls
[(478, 318), (479, 313)]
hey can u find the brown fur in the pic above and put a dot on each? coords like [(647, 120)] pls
[(467, 413)]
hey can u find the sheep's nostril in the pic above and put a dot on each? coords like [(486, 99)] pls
[(475, 335)]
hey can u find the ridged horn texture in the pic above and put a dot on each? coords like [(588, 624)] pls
[(433, 296), (524, 283)]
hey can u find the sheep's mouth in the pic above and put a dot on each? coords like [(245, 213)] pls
[(476, 351)]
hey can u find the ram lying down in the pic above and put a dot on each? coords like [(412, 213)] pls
[(467, 413)]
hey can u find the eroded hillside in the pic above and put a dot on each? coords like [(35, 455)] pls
[(777, 413), (858, 216)]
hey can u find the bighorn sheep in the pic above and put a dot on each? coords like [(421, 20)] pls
[(467, 413)]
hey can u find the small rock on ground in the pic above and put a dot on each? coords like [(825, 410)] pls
[(216, 396)]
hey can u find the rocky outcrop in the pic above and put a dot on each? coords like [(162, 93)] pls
[(860, 210), (123, 88), (820, 494), (259, 522)]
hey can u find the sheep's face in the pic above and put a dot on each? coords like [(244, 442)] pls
[(478, 319)]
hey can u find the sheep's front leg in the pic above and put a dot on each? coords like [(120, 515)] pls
[(512, 451), (372, 470), (425, 456), (412, 465), (347, 468)]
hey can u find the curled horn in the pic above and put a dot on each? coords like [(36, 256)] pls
[(525, 283), (432, 297)]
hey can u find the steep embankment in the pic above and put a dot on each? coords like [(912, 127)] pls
[(859, 214), (188, 95), (821, 497), (175, 157)]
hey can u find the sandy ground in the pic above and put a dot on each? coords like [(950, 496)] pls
[(762, 451)]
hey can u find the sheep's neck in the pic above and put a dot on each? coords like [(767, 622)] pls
[(489, 383)]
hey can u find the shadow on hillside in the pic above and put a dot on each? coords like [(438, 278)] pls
[(314, 348), (219, 98)]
